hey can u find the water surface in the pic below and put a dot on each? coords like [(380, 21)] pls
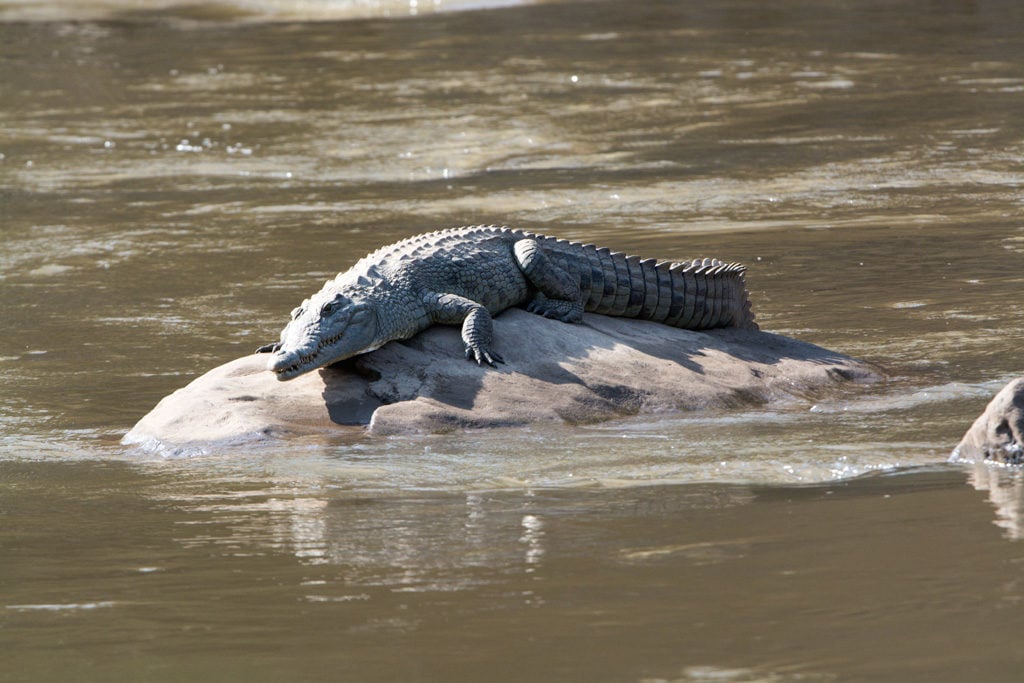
[(173, 182)]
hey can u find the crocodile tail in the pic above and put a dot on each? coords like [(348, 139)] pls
[(703, 294), (696, 295)]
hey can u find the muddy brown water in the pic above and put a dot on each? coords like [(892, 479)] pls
[(174, 180)]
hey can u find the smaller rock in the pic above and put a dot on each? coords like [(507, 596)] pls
[(997, 433)]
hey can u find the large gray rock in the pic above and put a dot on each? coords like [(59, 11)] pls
[(554, 372), (998, 433)]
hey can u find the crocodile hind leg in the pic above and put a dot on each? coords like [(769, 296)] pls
[(558, 295), (477, 326)]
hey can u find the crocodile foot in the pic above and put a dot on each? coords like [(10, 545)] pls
[(557, 309), (483, 355), (269, 348)]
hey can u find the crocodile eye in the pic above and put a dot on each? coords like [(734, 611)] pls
[(328, 308)]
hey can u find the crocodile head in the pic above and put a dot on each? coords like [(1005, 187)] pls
[(328, 327)]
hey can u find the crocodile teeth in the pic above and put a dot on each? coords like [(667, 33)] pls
[(310, 358)]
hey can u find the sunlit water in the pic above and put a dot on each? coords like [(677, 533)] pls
[(173, 181)]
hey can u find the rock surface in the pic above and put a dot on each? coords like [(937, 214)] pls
[(998, 433), (602, 369)]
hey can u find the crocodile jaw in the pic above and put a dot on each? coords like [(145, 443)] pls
[(286, 364)]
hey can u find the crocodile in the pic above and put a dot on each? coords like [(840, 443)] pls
[(463, 276)]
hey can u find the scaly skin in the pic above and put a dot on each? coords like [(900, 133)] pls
[(464, 276)]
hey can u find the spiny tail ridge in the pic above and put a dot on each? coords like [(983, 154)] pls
[(698, 294)]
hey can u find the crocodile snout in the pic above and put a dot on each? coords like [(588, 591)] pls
[(289, 364)]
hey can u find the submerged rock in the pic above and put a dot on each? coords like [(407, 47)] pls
[(998, 433), (553, 372)]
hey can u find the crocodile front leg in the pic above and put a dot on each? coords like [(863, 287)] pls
[(477, 326), (558, 295)]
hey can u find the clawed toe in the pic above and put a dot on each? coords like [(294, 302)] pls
[(482, 356)]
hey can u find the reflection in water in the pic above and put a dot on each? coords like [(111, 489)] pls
[(533, 538), (408, 543), (1005, 487), (675, 583), (432, 541), (308, 529)]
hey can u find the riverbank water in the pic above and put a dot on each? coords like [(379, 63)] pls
[(173, 183)]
